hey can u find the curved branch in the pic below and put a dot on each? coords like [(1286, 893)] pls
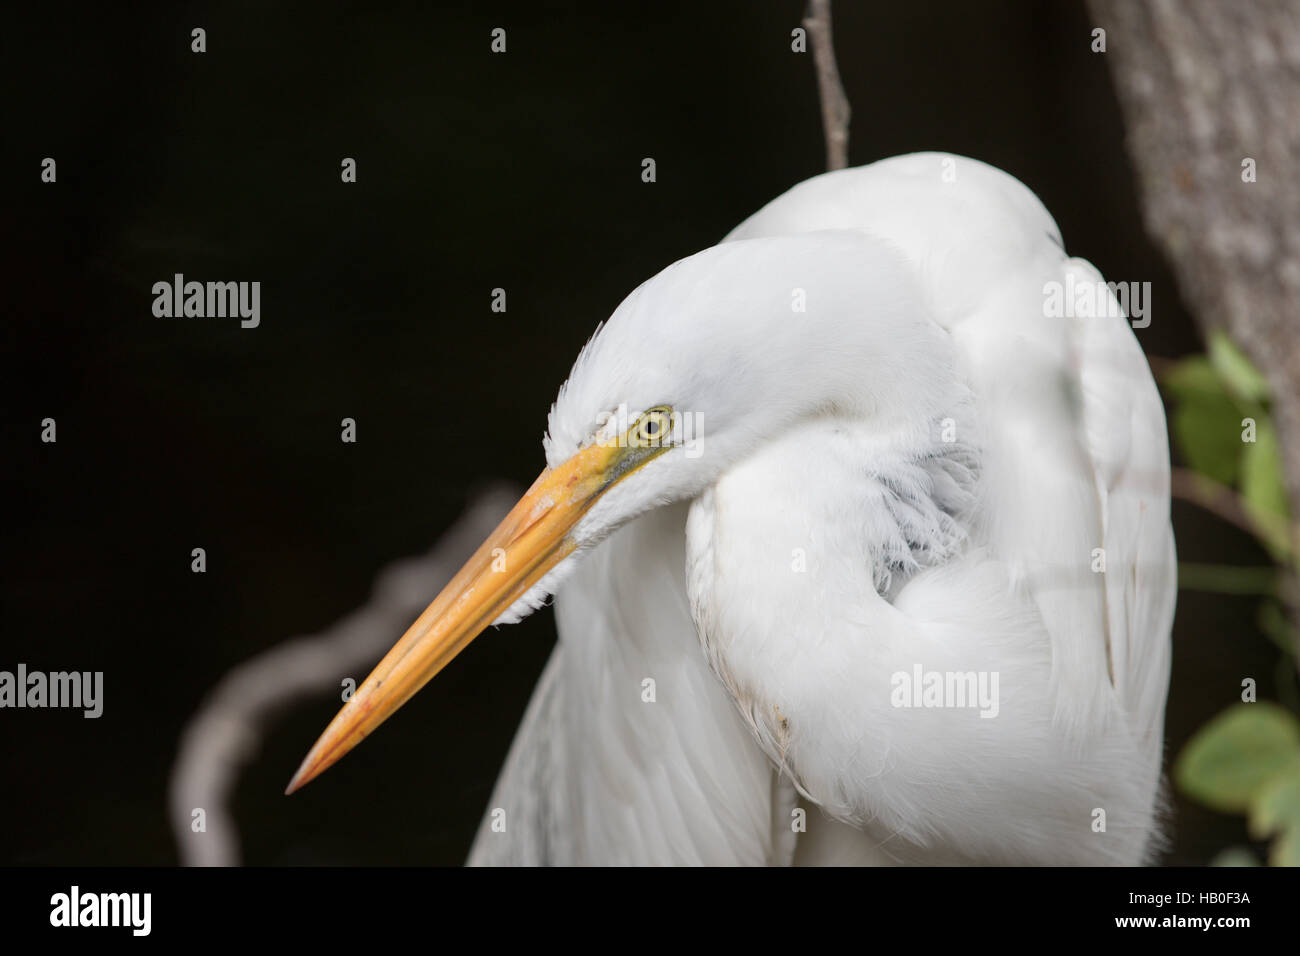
[(230, 725), (835, 104)]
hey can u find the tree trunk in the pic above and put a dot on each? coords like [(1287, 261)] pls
[(1206, 86)]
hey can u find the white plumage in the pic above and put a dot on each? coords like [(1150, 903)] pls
[(919, 469)]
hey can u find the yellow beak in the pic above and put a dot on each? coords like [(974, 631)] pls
[(532, 539)]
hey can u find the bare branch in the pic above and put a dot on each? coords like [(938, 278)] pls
[(230, 726), (1218, 499), (835, 104), (1225, 503)]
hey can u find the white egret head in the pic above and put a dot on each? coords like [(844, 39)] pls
[(737, 343), (694, 370)]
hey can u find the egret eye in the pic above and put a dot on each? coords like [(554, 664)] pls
[(652, 427)]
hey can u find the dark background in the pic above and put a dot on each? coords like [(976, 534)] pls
[(475, 171)]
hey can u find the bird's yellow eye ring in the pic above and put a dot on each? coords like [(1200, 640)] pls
[(652, 428)]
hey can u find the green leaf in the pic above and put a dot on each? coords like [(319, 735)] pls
[(1263, 488), (1277, 804), (1214, 393), (1193, 377), (1235, 856), (1208, 429), (1275, 809), (1231, 758), (1236, 371), (1286, 849)]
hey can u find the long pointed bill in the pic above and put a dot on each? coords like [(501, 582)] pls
[(531, 540)]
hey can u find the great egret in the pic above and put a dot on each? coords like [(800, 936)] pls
[(867, 473)]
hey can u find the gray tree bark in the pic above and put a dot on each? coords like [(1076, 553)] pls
[(1205, 86)]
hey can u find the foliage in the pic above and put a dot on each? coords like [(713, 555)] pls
[(1247, 759)]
